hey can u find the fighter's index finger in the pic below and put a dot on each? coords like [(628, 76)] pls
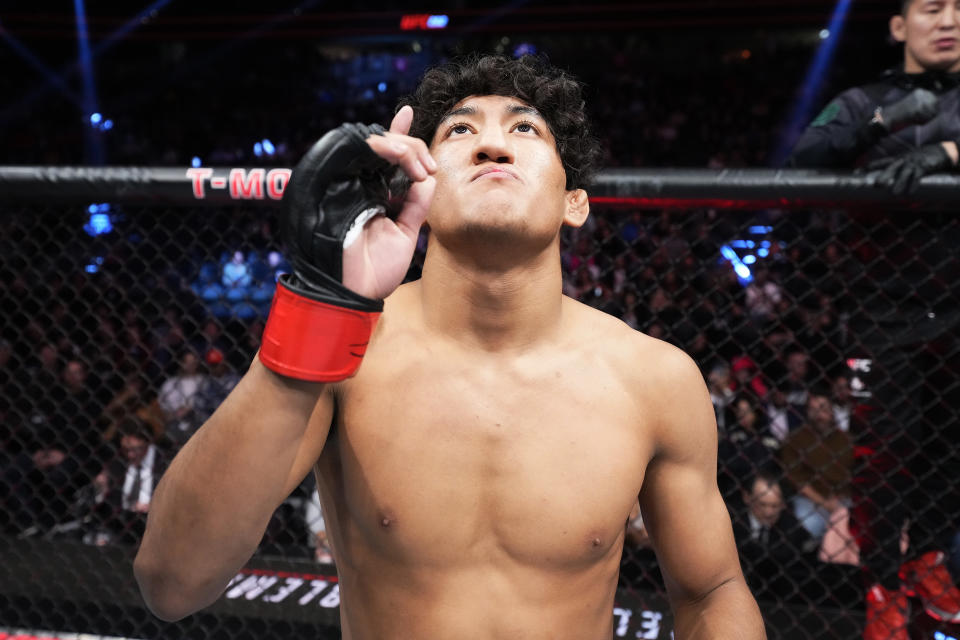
[(402, 121)]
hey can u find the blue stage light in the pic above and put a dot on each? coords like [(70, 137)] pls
[(524, 49), (382, 87), (94, 266), (107, 125), (742, 270), (258, 149), (195, 161), (438, 22), (98, 224), (95, 118), (817, 74), (268, 147)]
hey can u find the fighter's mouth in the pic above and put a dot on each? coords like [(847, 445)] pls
[(502, 171)]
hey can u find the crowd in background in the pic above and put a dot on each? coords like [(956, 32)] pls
[(116, 348)]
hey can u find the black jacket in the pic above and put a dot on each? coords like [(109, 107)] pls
[(839, 137)]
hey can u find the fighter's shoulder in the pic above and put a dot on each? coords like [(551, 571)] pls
[(647, 361)]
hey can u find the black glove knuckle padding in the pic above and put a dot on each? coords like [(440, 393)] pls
[(334, 182)]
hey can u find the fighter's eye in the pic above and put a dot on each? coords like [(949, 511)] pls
[(458, 128), (525, 127)]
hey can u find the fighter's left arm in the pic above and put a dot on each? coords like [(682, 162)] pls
[(686, 517)]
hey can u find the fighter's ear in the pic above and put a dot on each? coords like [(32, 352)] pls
[(898, 28), (578, 208)]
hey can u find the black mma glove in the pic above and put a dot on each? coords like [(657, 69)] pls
[(318, 329)]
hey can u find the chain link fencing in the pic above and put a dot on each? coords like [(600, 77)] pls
[(828, 339)]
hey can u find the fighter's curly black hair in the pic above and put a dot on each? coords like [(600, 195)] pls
[(551, 91)]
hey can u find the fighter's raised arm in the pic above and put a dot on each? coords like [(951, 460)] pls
[(214, 502)]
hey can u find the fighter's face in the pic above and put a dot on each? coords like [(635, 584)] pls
[(930, 31), (499, 173)]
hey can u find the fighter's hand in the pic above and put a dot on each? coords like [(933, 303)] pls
[(346, 254), (376, 261)]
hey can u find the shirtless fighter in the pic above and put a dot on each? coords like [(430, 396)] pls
[(477, 469)]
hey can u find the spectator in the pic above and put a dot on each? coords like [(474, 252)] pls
[(38, 485), (842, 400), (747, 448), (779, 414), (773, 546), (747, 377), (721, 394), (124, 489), (178, 397), (217, 384), (763, 296), (763, 526), (43, 372), (818, 460), (75, 411), (143, 464), (796, 384), (133, 399)]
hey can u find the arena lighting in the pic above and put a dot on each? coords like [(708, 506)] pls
[(524, 49), (99, 222), (803, 106), (940, 635), (743, 271), (57, 80), (48, 73), (93, 146), (195, 162), (423, 21), (94, 265)]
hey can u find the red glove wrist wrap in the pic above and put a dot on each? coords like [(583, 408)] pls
[(310, 340)]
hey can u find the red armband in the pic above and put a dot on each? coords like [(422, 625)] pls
[(315, 341)]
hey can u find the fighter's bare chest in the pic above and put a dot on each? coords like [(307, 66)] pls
[(479, 454)]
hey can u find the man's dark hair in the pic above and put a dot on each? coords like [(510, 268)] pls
[(136, 428), (905, 6), (551, 91), (768, 474)]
